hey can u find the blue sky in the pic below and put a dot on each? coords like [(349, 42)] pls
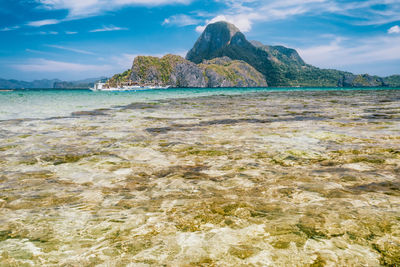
[(76, 39)]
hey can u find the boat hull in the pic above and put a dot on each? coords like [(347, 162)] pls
[(130, 88)]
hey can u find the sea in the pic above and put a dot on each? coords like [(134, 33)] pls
[(49, 103), (200, 177)]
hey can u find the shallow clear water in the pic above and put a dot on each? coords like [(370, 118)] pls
[(45, 103), (274, 178)]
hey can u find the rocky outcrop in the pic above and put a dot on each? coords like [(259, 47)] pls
[(225, 72), (170, 70), (212, 41), (362, 80), (187, 74), (280, 54), (222, 39), (392, 81), (175, 71)]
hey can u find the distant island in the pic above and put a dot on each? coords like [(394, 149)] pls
[(223, 57), (50, 84)]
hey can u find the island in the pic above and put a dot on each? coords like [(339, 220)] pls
[(223, 57)]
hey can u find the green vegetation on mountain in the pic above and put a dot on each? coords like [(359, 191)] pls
[(175, 71), (119, 78), (363, 80), (15, 84), (281, 66), (50, 84), (393, 81), (148, 69), (225, 72), (223, 57)]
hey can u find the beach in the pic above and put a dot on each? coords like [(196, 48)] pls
[(256, 178)]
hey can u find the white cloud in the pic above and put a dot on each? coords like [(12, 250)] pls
[(39, 52), (84, 8), (242, 21), (123, 61), (109, 29), (70, 33), (394, 29), (181, 20), (42, 33), (339, 52), (244, 13), (6, 29), (40, 23), (72, 49), (44, 65)]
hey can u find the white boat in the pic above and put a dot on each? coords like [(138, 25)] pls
[(102, 87), (98, 86)]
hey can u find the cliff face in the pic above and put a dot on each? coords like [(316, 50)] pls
[(169, 70), (222, 39), (225, 72), (176, 71), (212, 42), (362, 80)]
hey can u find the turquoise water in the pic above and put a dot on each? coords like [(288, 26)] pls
[(45, 103)]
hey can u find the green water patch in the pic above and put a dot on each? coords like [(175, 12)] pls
[(387, 187), (199, 151), (368, 159), (62, 158), (7, 147), (187, 172), (389, 251), (243, 251), (297, 157)]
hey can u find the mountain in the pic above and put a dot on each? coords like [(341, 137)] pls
[(49, 84), (222, 39), (393, 81), (223, 57), (175, 71), (13, 84), (280, 65)]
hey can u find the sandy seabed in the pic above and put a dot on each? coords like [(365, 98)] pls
[(265, 179)]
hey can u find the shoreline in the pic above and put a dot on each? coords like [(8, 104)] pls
[(261, 87), (222, 92)]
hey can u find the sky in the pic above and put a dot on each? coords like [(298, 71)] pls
[(78, 39)]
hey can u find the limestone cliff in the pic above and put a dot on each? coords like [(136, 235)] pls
[(225, 72), (175, 71)]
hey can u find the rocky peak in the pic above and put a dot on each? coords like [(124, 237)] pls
[(215, 37)]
